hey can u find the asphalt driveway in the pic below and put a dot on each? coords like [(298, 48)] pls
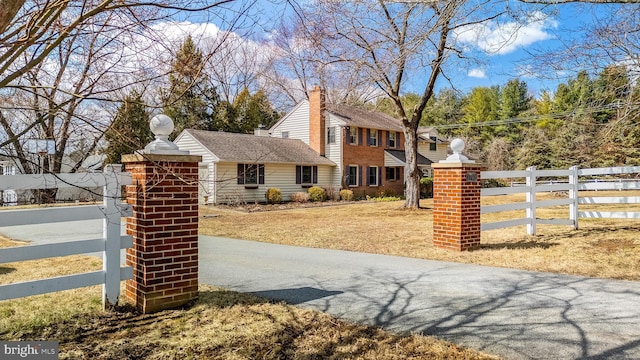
[(511, 313)]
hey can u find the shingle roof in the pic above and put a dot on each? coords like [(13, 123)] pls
[(234, 147), (400, 155), (354, 116)]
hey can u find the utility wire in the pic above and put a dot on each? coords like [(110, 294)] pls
[(560, 115)]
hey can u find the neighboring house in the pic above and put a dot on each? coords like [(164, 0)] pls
[(431, 147), (93, 163), (366, 146), (238, 168), (8, 197)]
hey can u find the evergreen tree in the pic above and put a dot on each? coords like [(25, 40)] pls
[(535, 150), (445, 108), (480, 106), (611, 89), (544, 108), (514, 99), (190, 101), (251, 111), (130, 129)]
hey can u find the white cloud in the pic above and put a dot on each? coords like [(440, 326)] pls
[(477, 73), (502, 38)]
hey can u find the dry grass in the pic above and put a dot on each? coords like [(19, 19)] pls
[(220, 325), (601, 248)]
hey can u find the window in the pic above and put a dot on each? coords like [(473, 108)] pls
[(306, 175), (353, 135), (331, 135), (393, 173), (432, 146), (251, 175), (352, 175), (392, 139), (285, 134), (372, 137), (372, 176)]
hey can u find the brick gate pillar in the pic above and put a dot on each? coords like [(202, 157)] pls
[(456, 201), (164, 225)]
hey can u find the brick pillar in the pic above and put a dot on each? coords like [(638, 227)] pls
[(456, 206), (164, 226)]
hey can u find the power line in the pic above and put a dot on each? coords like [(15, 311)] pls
[(560, 115)]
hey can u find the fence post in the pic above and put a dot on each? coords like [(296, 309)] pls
[(573, 195), (111, 235), (164, 225), (531, 200), (456, 201)]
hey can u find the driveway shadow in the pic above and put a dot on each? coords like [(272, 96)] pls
[(6, 270), (296, 296)]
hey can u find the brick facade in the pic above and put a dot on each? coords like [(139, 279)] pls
[(456, 206), (164, 226), (364, 155)]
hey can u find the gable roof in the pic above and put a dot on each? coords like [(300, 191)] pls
[(354, 116), (400, 155), (233, 147)]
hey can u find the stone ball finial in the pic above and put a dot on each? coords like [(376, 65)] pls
[(161, 124), (457, 145)]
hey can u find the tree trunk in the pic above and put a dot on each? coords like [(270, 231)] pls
[(9, 10), (411, 172)]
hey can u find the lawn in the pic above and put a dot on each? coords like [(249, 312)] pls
[(603, 248)]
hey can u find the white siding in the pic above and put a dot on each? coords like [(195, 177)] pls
[(333, 151), (391, 161), (435, 156), (281, 176), (207, 184), (296, 123)]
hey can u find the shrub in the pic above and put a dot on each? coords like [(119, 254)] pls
[(333, 193), (383, 198), (426, 187), (346, 195), (273, 195), (317, 193), (300, 197)]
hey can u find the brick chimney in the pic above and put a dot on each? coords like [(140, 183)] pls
[(316, 120)]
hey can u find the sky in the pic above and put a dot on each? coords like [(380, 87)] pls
[(503, 50)]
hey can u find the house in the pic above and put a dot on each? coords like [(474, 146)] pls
[(316, 143), (366, 146), (238, 168)]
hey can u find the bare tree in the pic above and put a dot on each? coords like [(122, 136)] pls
[(392, 45), (64, 65)]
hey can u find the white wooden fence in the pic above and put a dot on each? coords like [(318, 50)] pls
[(111, 211), (572, 181)]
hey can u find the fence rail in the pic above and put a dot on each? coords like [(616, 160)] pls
[(572, 180), (111, 211)]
